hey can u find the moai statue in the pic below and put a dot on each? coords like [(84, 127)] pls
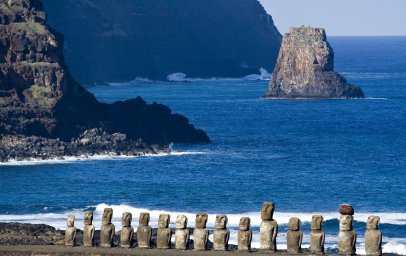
[(127, 231), (164, 234), (70, 233), (244, 235), (221, 234), (268, 228), (144, 231), (294, 236), (107, 230), (317, 236), (201, 233), (182, 234), (88, 230), (347, 236), (373, 237)]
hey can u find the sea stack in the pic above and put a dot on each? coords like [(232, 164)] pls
[(305, 68)]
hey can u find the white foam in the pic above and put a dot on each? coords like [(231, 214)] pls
[(73, 159), (397, 246), (176, 77)]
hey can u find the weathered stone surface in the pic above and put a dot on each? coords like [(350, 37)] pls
[(38, 97), (144, 231), (294, 236), (346, 209), (88, 230), (347, 236), (107, 229), (221, 234), (244, 234), (373, 237), (305, 68), (200, 233), (268, 228), (182, 233), (317, 236), (164, 233), (127, 232), (70, 233), (30, 234)]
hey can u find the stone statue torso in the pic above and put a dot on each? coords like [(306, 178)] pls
[(126, 236), (200, 236), (220, 239), (294, 241), (164, 238), (70, 236), (268, 229), (346, 242), (88, 235), (244, 240), (181, 239), (316, 241), (106, 235), (144, 234)]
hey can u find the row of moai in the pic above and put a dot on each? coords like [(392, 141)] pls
[(221, 235)]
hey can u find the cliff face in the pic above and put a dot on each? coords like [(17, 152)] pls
[(109, 40), (305, 68), (39, 97)]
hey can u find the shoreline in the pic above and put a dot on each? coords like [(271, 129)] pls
[(94, 143)]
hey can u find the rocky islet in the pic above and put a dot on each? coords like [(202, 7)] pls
[(305, 68)]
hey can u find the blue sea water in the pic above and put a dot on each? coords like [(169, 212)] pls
[(307, 156)]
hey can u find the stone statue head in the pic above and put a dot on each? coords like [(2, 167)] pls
[(267, 211), (346, 222), (201, 220), (346, 209), (317, 222), (126, 220), (164, 220), (144, 219), (88, 219), (181, 221), (294, 224), (107, 215), (245, 223), (71, 221), (373, 222), (221, 221)]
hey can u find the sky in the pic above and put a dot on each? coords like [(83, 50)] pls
[(341, 17)]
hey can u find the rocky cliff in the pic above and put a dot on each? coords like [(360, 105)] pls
[(38, 97), (305, 68), (110, 40)]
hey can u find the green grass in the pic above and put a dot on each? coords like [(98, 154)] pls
[(40, 95), (31, 28)]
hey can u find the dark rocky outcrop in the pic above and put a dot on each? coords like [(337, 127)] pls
[(110, 40), (38, 97), (305, 68)]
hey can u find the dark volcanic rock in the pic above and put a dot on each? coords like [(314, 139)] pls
[(107, 41), (38, 97), (29, 234), (305, 68)]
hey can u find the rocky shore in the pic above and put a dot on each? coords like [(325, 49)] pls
[(90, 143)]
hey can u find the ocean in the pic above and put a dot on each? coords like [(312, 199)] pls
[(306, 156)]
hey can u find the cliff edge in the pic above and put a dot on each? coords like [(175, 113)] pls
[(38, 97), (305, 68)]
